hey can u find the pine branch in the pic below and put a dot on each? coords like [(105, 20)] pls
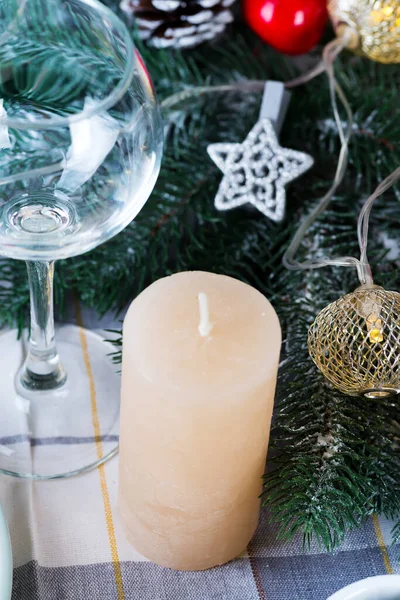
[(335, 459), (70, 45)]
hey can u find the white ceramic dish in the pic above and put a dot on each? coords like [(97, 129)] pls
[(383, 587), (5, 560)]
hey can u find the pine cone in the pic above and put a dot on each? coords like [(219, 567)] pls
[(179, 23)]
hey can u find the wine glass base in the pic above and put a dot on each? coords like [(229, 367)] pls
[(59, 433)]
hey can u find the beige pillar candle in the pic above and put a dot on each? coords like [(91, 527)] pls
[(200, 361)]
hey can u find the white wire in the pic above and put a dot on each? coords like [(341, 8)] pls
[(362, 265), (363, 219), (196, 92), (330, 53)]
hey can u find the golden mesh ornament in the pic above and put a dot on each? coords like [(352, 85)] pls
[(355, 342), (375, 23)]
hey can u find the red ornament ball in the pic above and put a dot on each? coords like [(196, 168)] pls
[(290, 26)]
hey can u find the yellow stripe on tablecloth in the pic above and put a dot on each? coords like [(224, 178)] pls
[(256, 573), (382, 545), (99, 448)]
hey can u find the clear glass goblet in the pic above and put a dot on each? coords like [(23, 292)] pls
[(80, 150)]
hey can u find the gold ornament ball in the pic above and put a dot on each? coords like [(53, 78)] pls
[(355, 342), (373, 27)]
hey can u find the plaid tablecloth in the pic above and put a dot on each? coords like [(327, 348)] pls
[(68, 545)]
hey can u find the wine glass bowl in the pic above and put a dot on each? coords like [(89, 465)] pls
[(80, 151), (79, 127)]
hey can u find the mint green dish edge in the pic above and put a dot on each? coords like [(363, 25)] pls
[(6, 565)]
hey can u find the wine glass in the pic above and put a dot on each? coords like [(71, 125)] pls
[(80, 151)]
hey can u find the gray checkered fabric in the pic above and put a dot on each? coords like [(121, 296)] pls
[(68, 544)]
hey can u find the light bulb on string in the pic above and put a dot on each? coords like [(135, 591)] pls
[(369, 308), (372, 27), (355, 342)]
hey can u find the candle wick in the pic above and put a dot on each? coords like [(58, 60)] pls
[(205, 325)]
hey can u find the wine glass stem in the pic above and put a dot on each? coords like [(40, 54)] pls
[(42, 369)]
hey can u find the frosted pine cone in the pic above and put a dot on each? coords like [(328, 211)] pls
[(179, 23)]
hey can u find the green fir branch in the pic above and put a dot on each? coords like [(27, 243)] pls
[(335, 459)]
